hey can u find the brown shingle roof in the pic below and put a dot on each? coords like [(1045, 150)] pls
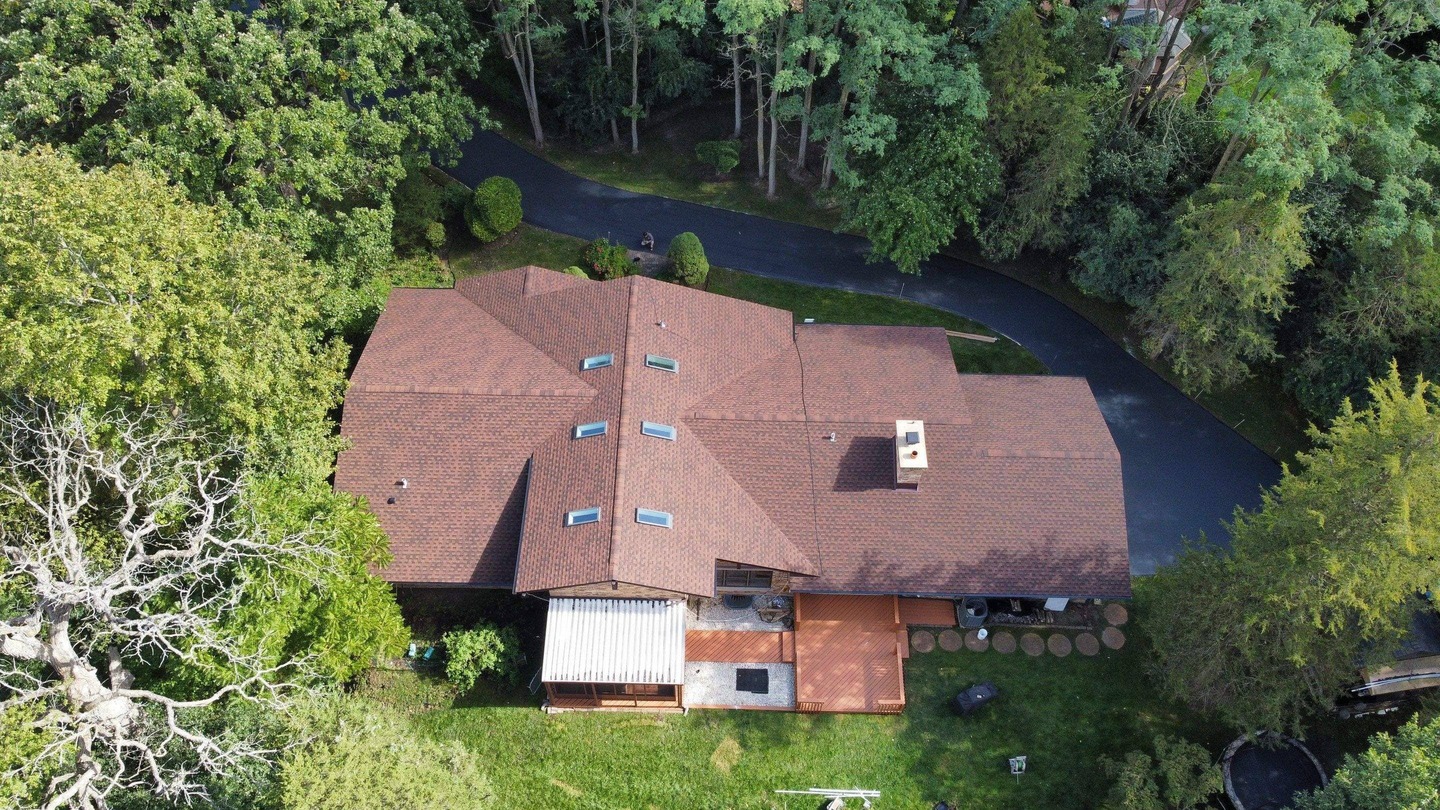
[(1022, 495)]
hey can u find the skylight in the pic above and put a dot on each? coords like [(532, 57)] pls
[(658, 430), (654, 517), (580, 517), (589, 429), (662, 363), (598, 361)]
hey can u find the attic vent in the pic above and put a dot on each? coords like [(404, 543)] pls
[(662, 363), (598, 361), (910, 458), (654, 517), (658, 430), (580, 517), (589, 429)]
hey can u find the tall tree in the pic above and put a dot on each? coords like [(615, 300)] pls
[(1400, 771), (299, 116), (1226, 280), (518, 25), (1325, 574)]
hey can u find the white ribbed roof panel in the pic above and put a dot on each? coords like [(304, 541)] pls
[(614, 641)]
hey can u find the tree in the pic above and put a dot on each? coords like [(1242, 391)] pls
[(298, 117), (1181, 776), (687, 258), (1325, 574), (115, 289), (360, 755), (494, 210), (1226, 280), (1399, 771), (122, 548), (518, 26), (932, 181)]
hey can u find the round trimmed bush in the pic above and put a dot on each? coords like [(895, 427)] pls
[(722, 156), (494, 210), (576, 270), (687, 259)]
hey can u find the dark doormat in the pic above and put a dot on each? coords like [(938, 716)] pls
[(755, 681)]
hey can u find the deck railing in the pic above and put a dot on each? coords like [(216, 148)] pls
[(810, 706)]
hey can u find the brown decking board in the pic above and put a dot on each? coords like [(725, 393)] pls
[(848, 654), (737, 647), (927, 612)]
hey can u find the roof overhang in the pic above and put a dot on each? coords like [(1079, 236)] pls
[(614, 641)]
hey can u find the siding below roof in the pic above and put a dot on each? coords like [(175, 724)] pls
[(614, 641)]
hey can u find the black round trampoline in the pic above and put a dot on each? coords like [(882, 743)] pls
[(1266, 774)]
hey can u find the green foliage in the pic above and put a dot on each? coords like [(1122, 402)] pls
[(1325, 573), (288, 115), (608, 261), (360, 755), (1399, 771), (495, 209), (576, 270), (1180, 776), (1226, 281), (115, 290), (721, 156), (21, 743), (925, 187), (687, 259), (484, 649)]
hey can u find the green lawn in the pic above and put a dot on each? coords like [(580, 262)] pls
[(827, 305), (1063, 714), (531, 245)]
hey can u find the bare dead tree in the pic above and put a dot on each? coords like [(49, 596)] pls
[(125, 548)]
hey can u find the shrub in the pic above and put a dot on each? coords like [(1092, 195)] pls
[(482, 650), (722, 156), (606, 260), (435, 235), (576, 270), (494, 210), (687, 259)]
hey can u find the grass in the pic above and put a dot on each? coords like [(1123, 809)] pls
[(827, 305), (531, 245), (1063, 714)]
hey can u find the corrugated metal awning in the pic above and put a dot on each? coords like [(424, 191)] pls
[(614, 641)]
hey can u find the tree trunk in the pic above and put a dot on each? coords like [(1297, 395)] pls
[(534, 95), (1235, 149), (759, 116), (510, 47), (1161, 81), (634, 81), (609, 61), (833, 141), (770, 186), (735, 75)]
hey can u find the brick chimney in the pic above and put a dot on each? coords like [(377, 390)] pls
[(910, 459)]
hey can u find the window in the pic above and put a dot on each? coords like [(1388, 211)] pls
[(662, 363), (589, 429), (580, 517), (654, 517), (598, 361), (747, 578), (658, 430)]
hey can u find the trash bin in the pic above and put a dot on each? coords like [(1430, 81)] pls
[(973, 612)]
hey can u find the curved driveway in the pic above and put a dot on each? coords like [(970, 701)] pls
[(1185, 471)]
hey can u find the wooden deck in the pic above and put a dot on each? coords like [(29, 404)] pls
[(848, 654), (740, 646), (927, 612)]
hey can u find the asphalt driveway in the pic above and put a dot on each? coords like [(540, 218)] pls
[(1185, 471)]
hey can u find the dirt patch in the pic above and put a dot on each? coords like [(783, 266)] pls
[(726, 755), (573, 791)]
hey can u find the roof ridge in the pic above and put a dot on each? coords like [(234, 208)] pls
[(622, 435)]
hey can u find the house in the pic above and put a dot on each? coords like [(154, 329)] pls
[(636, 451)]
